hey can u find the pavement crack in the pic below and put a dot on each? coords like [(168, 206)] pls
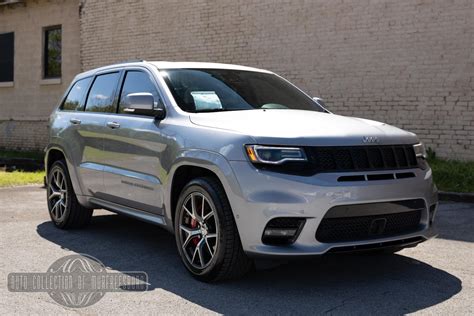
[(338, 306)]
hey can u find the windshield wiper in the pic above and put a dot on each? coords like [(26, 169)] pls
[(218, 110)]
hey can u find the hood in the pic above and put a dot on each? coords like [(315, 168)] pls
[(306, 128)]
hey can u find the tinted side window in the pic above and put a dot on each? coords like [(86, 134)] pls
[(137, 81), (101, 95), (74, 98)]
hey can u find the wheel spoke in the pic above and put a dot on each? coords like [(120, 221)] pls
[(63, 185), (189, 213), (199, 252), (54, 193), (211, 252), (190, 234), (202, 206), (194, 254), (60, 210), (193, 205), (54, 210), (56, 179), (208, 215)]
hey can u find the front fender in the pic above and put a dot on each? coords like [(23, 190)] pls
[(214, 162)]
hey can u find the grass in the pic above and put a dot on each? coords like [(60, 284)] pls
[(8, 179), (452, 175)]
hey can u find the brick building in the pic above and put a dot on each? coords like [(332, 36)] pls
[(405, 62), (28, 93)]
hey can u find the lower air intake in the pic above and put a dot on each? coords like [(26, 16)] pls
[(340, 226)]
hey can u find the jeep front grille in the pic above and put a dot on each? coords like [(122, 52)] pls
[(361, 158)]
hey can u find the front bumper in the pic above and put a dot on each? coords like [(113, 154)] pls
[(264, 195)]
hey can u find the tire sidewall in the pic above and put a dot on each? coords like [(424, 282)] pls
[(203, 187)]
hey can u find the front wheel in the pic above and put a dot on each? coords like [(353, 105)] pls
[(206, 235), (64, 208)]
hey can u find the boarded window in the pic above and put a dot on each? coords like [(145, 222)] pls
[(6, 57)]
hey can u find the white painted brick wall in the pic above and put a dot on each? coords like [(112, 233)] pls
[(406, 62), (25, 107)]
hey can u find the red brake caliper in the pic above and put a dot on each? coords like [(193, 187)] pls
[(194, 224)]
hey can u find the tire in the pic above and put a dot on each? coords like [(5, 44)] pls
[(64, 208), (220, 257)]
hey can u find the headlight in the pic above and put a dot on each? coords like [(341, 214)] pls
[(420, 151), (274, 155)]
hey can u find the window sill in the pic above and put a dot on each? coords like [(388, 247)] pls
[(50, 81), (6, 84)]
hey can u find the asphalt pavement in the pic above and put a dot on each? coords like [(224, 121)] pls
[(434, 278)]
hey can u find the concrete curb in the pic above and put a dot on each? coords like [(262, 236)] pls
[(456, 197)]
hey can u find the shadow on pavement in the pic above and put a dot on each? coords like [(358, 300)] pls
[(391, 284), (455, 221)]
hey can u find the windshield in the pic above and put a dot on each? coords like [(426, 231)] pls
[(212, 90)]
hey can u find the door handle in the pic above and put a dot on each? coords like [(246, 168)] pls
[(75, 121), (113, 124)]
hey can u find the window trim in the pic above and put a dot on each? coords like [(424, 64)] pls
[(45, 54), (50, 81), (7, 84)]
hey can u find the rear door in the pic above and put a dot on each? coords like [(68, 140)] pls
[(90, 131), (133, 148), (69, 123)]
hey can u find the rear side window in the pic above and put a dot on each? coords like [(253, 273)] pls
[(75, 96), (137, 81), (101, 95)]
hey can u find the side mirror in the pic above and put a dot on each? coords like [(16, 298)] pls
[(143, 103), (320, 102)]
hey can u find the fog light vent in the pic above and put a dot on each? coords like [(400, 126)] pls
[(282, 230)]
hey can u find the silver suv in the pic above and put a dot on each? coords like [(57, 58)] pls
[(237, 162)]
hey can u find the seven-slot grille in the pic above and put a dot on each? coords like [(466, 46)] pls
[(362, 158)]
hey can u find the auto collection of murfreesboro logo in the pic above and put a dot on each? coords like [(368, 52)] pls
[(78, 281)]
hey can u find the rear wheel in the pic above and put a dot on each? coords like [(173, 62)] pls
[(206, 235), (64, 209)]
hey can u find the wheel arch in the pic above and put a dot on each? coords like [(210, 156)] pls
[(54, 153), (194, 164)]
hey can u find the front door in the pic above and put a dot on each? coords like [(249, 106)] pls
[(133, 146)]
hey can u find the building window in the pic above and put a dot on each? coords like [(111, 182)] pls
[(52, 52), (6, 57)]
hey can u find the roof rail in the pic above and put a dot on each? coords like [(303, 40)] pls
[(129, 61)]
